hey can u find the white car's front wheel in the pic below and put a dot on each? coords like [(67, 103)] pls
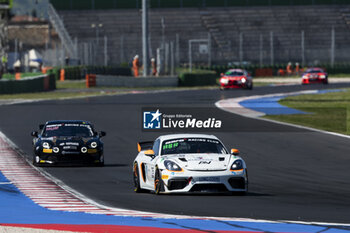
[(158, 182)]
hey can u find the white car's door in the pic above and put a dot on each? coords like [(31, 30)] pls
[(150, 164)]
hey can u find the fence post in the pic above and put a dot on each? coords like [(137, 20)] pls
[(261, 51), (167, 54), (302, 48), (121, 48), (172, 59), (190, 55), (106, 50), (271, 48), (333, 47), (177, 49), (240, 48), (209, 49)]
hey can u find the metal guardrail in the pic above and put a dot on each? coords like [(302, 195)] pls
[(66, 40)]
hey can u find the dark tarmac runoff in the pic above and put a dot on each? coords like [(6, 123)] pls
[(294, 174)]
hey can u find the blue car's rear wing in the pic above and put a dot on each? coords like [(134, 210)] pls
[(141, 146)]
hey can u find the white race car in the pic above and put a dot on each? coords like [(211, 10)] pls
[(188, 163)]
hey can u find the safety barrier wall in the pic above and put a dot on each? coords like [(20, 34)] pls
[(33, 84), (119, 4), (125, 81)]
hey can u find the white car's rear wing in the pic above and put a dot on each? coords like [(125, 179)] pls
[(141, 146)]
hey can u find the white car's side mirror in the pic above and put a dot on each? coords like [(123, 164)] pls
[(234, 152)]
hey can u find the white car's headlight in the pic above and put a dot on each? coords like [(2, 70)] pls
[(172, 166), (84, 149), (322, 76), (93, 144), (237, 165), (46, 145)]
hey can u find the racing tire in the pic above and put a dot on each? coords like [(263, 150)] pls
[(158, 183), (101, 163), (136, 177), (250, 87), (243, 193), (325, 81)]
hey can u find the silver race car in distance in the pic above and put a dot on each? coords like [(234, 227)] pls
[(181, 163)]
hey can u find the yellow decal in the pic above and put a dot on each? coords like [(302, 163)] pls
[(165, 177), (47, 150), (92, 151), (42, 161)]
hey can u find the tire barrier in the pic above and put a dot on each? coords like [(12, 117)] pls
[(27, 85)]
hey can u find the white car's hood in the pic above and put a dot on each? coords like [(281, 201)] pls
[(202, 162)]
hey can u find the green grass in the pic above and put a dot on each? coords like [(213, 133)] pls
[(75, 89), (53, 95), (329, 111), (9, 76), (339, 75), (80, 84)]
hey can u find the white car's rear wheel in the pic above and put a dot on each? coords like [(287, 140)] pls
[(137, 187)]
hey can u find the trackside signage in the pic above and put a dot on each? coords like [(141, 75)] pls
[(174, 119)]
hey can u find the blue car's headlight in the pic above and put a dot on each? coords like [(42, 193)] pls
[(46, 145), (172, 166), (93, 144), (237, 165)]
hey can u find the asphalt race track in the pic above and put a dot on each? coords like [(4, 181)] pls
[(294, 174)]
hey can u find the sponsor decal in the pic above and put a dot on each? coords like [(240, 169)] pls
[(204, 162), (170, 119), (152, 120)]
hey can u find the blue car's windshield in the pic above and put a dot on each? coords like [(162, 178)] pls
[(77, 130), (192, 146)]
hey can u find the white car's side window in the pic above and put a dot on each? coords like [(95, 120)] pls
[(156, 147)]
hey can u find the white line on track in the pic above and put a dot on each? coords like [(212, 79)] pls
[(233, 106)]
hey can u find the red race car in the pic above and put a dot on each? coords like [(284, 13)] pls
[(314, 75), (236, 78)]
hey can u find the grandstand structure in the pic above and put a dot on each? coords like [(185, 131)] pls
[(256, 34)]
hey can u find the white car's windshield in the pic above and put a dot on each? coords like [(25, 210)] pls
[(192, 146)]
